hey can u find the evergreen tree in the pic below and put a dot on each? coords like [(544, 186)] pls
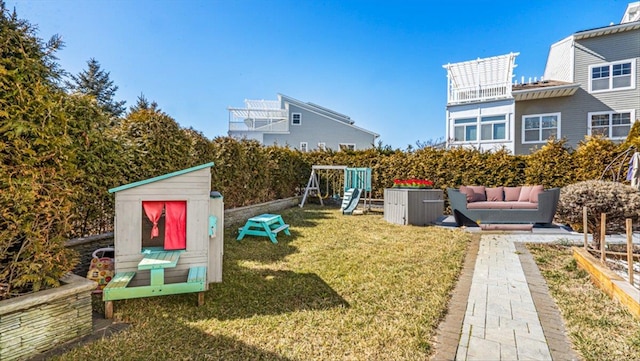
[(155, 144), (144, 104), (37, 161), (95, 82)]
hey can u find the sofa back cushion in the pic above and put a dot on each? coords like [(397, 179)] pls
[(495, 194), (535, 191), (525, 192), (511, 194), (474, 193)]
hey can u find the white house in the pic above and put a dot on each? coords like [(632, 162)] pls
[(590, 86), (303, 126)]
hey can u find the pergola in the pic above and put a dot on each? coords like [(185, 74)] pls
[(480, 79), (264, 115)]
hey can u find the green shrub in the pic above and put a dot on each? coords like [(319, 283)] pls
[(592, 156), (617, 200), (550, 165), (37, 162)]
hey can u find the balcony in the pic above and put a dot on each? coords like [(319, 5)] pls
[(262, 116), (259, 125), (484, 92), (480, 80)]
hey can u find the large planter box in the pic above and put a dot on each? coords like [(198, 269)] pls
[(38, 322), (419, 207)]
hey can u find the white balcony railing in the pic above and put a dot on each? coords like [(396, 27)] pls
[(480, 93), (267, 119), (259, 125)]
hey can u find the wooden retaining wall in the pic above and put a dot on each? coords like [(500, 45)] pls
[(238, 216), (37, 322), (610, 282)]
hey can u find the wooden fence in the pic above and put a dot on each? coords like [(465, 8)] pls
[(603, 249)]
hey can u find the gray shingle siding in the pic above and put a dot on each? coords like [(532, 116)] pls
[(316, 128), (574, 109), (573, 117), (317, 125)]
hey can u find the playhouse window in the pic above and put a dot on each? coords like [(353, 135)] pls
[(164, 225)]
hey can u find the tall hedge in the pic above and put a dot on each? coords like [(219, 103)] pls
[(37, 162)]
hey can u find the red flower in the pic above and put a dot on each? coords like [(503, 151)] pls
[(413, 183)]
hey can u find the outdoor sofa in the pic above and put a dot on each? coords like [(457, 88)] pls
[(474, 205)]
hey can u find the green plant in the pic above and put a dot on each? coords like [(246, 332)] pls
[(37, 162), (550, 165)]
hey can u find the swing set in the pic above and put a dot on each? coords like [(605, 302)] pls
[(356, 184)]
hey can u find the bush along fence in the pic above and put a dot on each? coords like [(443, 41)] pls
[(246, 173)]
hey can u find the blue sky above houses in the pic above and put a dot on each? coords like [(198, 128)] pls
[(378, 62)]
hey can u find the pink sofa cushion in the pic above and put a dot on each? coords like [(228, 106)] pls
[(495, 194), (523, 205), (474, 193), (511, 194), (524, 194), (502, 205), (468, 193), (489, 205), (535, 192), (477, 194)]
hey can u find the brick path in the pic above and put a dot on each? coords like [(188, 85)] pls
[(501, 308)]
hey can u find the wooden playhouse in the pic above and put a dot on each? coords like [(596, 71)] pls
[(168, 236)]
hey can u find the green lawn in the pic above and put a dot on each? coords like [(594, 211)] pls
[(600, 328), (339, 288)]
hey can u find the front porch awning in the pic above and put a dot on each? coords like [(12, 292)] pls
[(543, 90)]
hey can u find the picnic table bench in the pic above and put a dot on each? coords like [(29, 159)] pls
[(264, 225), (156, 262)]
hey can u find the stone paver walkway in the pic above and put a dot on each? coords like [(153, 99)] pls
[(501, 322), (501, 308)]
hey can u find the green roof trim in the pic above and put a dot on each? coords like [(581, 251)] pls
[(159, 178)]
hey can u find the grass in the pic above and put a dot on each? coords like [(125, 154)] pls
[(599, 327), (339, 288)]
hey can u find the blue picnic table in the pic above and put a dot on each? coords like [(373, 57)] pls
[(264, 225)]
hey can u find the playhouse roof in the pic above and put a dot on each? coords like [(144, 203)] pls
[(159, 178)]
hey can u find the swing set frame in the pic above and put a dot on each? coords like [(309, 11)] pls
[(352, 178)]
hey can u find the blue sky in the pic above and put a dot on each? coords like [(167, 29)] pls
[(379, 62)]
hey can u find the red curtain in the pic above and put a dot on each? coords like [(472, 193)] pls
[(153, 210), (175, 227)]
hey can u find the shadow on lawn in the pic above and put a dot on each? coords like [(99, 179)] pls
[(220, 347), (252, 286), (307, 216), (173, 339), (247, 292)]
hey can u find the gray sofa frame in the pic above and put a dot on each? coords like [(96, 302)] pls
[(547, 204)]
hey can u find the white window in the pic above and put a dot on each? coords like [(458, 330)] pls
[(347, 146), (465, 129), (493, 127), (296, 118), (612, 125), (537, 128), (322, 146), (304, 147), (618, 75)]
